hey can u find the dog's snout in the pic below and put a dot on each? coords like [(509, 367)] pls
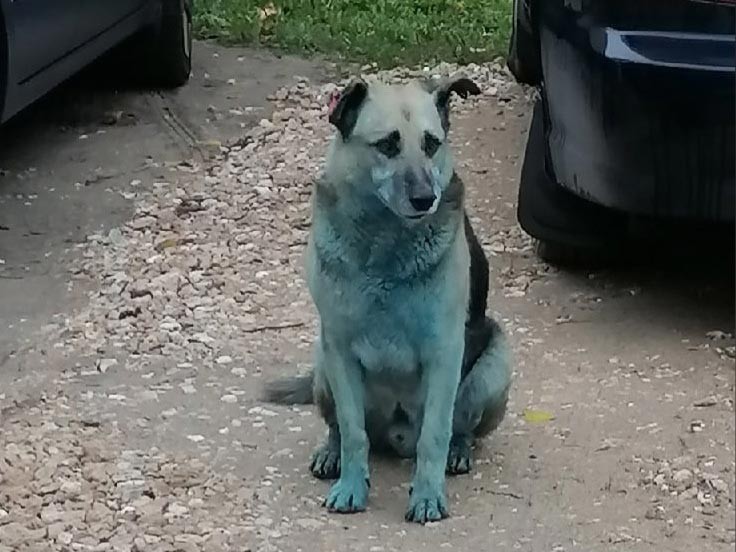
[(421, 195), (422, 203)]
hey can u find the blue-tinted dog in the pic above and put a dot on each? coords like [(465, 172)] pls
[(407, 359)]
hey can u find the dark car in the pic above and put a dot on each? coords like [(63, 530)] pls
[(44, 42), (634, 122)]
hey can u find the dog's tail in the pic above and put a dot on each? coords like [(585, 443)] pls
[(291, 390)]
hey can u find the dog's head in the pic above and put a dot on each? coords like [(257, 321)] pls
[(392, 142)]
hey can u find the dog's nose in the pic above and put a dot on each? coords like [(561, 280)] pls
[(422, 203)]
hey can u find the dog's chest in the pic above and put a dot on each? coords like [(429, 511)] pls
[(386, 349), (390, 314)]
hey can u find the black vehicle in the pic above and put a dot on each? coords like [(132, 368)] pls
[(44, 42), (635, 120)]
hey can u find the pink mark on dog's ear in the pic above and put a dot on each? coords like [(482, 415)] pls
[(334, 98)]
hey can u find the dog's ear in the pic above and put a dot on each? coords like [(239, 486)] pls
[(442, 91), (345, 113)]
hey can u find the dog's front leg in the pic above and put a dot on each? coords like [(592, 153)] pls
[(344, 375), (440, 378)]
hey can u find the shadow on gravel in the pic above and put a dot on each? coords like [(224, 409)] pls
[(684, 280)]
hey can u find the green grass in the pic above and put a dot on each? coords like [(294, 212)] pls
[(387, 32)]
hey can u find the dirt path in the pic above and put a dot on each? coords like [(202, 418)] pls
[(188, 293), (75, 164)]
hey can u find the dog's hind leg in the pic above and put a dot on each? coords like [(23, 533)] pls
[(483, 393), (325, 462)]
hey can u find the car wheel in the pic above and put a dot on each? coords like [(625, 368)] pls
[(564, 255), (524, 58), (169, 46)]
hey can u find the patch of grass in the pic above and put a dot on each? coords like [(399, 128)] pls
[(387, 32)]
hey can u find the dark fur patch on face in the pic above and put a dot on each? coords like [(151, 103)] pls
[(389, 145), (345, 114), (430, 144)]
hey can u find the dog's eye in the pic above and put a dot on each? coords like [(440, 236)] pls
[(431, 144), (390, 146)]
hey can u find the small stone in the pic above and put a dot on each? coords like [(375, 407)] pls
[(309, 523), (708, 401), (104, 364), (51, 513), (71, 488), (719, 485), (176, 509), (682, 476), (264, 521), (115, 236), (655, 512), (696, 426), (142, 222)]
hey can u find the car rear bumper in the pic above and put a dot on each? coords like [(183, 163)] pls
[(640, 117)]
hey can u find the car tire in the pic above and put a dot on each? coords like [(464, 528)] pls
[(524, 59), (167, 46), (564, 255)]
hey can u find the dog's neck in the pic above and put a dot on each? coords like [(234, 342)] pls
[(372, 240)]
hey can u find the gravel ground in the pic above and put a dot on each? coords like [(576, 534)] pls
[(149, 434)]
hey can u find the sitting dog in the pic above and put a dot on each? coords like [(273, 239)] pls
[(407, 359)]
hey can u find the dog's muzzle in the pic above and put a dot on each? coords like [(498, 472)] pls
[(420, 191)]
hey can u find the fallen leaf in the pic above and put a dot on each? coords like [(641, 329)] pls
[(708, 401), (537, 416), (165, 244)]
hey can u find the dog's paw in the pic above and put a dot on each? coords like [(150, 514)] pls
[(460, 457), (426, 504), (325, 462), (348, 495)]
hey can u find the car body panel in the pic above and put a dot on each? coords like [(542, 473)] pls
[(639, 104), (98, 17), (78, 33), (41, 31)]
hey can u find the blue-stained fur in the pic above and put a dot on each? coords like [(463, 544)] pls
[(407, 359)]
